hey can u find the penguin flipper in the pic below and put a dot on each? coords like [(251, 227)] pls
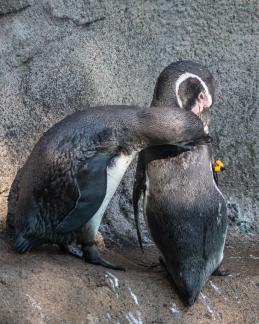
[(138, 189), (91, 184)]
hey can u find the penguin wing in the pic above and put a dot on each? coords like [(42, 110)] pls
[(215, 175), (91, 183), (138, 189)]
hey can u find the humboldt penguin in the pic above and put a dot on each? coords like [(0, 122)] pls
[(77, 165), (184, 209)]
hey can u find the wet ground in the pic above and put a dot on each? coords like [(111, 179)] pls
[(48, 286)]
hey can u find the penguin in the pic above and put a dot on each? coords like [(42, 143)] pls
[(76, 166), (183, 207)]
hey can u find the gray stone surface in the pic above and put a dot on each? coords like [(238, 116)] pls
[(57, 57), (81, 12), (11, 6)]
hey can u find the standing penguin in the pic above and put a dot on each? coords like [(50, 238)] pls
[(77, 165), (184, 209)]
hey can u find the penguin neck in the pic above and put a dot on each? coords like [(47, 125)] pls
[(164, 101), (172, 102), (169, 125)]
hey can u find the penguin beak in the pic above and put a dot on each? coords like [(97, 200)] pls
[(205, 120), (203, 100), (206, 129)]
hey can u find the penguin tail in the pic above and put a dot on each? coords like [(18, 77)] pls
[(22, 244)]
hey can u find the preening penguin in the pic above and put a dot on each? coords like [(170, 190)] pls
[(77, 165), (184, 209)]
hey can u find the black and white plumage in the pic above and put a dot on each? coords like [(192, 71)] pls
[(77, 165), (184, 208)]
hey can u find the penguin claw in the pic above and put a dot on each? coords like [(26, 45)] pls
[(91, 255)]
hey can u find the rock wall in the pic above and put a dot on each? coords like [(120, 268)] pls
[(61, 56)]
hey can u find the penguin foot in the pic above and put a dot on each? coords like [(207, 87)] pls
[(91, 255), (153, 267), (73, 249), (162, 263), (22, 244), (221, 272), (149, 266)]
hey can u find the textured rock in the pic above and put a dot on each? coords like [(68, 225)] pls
[(10, 6), (61, 56), (79, 11)]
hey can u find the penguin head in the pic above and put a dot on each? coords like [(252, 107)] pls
[(187, 84), (188, 278)]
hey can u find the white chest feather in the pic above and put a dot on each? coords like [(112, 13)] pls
[(116, 172), (114, 176), (146, 194)]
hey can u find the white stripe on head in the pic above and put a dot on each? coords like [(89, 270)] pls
[(186, 76)]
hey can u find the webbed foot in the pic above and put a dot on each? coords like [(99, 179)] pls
[(23, 244), (221, 272), (91, 255)]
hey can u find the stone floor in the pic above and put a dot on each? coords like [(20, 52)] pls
[(48, 286)]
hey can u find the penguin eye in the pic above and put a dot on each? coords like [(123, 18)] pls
[(201, 96)]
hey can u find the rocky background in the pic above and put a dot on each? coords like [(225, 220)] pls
[(59, 56)]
